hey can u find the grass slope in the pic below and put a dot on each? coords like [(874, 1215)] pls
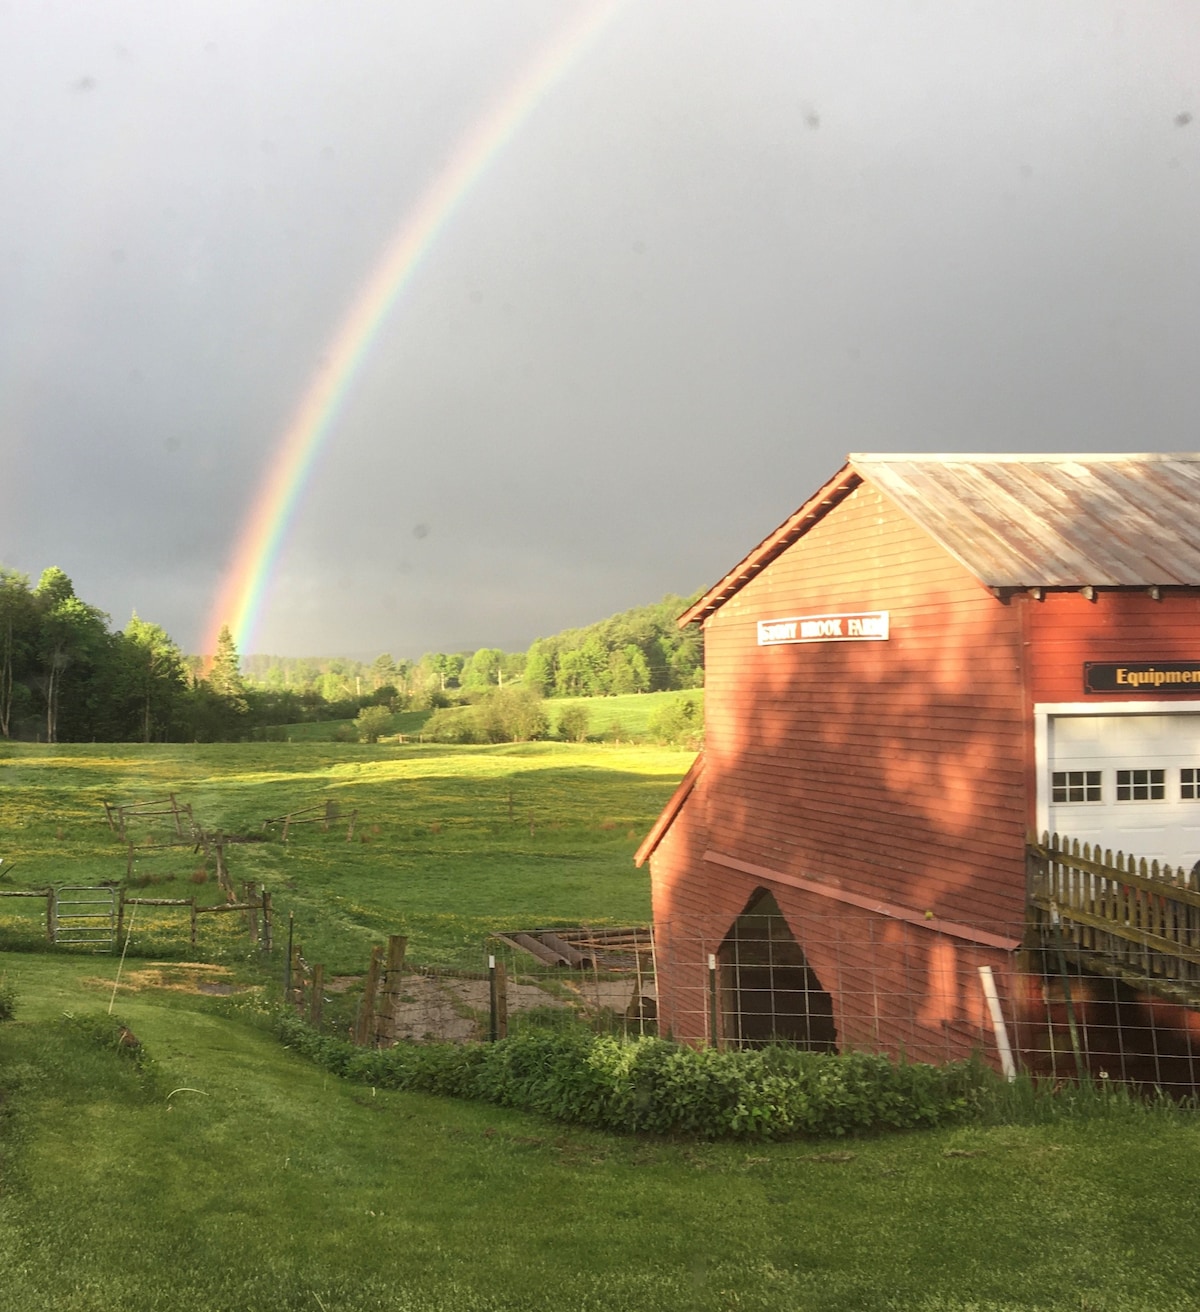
[(237, 1176)]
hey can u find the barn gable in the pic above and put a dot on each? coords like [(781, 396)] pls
[(887, 683), (1021, 521)]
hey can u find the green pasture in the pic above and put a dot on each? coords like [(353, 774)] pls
[(626, 718), (448, 845), (230, 1174)]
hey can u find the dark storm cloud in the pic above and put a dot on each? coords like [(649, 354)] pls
[(733, 244)]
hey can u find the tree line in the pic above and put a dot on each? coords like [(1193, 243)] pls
[(638, 650), (66, 675)]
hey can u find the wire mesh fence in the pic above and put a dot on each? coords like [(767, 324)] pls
[(1021, 995), (1022, 1000)]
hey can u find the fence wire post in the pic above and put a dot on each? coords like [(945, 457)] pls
[(999, 1028), (1072, 1030), (494, 1009), (287, 969), (714, 1038)]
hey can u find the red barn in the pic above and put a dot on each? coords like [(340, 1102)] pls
[(933, 657)]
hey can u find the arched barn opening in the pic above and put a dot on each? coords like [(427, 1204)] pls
[(769, 992)]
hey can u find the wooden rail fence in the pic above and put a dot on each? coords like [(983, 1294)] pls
[(323, 813), (120, 814), (255, 904), (1117, 915)]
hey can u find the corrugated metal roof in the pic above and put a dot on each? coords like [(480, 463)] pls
[(1019, 521), (1023, 521)]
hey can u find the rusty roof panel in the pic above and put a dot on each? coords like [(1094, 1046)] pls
[(1054, 520)]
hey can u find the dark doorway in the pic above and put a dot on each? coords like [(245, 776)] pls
[(769, 993)]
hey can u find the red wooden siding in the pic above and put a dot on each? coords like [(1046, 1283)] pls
[(1065, 630), (896, 768)]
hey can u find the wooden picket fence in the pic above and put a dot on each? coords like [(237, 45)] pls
[(1118, 915)]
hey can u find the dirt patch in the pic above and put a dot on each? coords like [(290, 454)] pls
[(177, 977), (446, 1009), (449, 1010)]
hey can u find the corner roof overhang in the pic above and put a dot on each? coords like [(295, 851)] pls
[(794, 527), (669, 812)]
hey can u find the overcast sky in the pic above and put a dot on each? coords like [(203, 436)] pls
[(735, 242)]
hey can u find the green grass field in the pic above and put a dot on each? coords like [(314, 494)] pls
[(449, 843), (231, 1174)]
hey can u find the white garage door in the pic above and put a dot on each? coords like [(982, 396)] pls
[(1128, 782)]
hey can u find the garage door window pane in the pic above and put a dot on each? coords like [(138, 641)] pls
[(1075, 786), (1141, 785), (1189, 784)]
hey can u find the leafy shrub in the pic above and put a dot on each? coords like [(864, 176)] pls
[(655, 1086), (510, 715), (573, 722), (371, 721), (451, 724), (679, 724), (503, 715)]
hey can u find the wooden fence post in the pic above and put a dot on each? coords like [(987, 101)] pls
[(50, 915), (120, 914), (222, 870), (266, 912), (366, 1011), (193, 922), (389, 994), (318, 989), (251, 910), (350, 828)]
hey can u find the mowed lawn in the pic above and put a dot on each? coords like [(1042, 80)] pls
[(238, 1176), (449, 843)]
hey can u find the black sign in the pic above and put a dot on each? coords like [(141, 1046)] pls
[(1142, 678)]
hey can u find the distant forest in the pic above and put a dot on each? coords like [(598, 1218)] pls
[(639, 650), (67, 676)]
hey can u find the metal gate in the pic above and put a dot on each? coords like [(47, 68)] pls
[(86, 917)]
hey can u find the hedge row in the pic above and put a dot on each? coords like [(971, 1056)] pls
[(658, 1087)]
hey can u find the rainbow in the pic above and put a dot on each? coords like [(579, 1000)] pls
[(242, 592)]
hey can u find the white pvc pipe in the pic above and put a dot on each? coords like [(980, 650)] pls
[(1007, 1065)]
